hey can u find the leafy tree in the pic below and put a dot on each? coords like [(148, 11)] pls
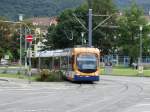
[(68, 31), (129, 39), (5, 37), (103, 35)]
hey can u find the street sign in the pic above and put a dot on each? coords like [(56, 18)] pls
[(6, 57), (29, 38)]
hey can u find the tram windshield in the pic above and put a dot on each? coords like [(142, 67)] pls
[(87, 62)]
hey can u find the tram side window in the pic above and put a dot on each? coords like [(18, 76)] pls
[(70, 63), (57, 63), (44, 63), (64, 62)]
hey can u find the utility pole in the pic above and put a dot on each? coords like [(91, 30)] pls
[(90, 19), (90, 24), (90, 28)]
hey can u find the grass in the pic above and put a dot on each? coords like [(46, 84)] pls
[(44, 76), (116, 71), (11, 75), (126, 72), (18, 76)]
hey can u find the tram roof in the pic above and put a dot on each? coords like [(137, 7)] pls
[(64, 52), (52, 53)]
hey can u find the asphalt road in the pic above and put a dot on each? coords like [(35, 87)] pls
[(111, 94)]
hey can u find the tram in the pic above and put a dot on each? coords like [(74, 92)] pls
[(78, 64)]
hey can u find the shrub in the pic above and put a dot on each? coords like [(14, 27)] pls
[(50, 76)]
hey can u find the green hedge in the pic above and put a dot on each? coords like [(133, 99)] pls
[(50, 76)]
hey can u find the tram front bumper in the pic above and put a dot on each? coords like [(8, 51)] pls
[(86, 78)]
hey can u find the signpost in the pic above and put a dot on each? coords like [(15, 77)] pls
[(29, 39)]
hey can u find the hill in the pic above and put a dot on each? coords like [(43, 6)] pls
[(35, 8), (145, 4), (43, 8)]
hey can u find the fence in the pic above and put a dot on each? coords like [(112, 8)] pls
[(122, 60)]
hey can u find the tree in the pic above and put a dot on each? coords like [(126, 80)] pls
[(5, 36), (129, 41), (68, 31), (103, 35)]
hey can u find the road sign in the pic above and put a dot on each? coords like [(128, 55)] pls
[(6, 57), (29, 38)]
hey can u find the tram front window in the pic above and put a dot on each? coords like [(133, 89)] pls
[(87, 63)]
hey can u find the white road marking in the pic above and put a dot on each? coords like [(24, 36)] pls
[(145, 111), (147, 98), (142, 104)]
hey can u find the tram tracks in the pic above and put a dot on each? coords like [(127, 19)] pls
[(108, 95), (112, 102)]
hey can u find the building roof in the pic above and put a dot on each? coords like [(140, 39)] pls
[(44, 21)]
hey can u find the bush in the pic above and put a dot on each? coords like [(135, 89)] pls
[(50, 76)]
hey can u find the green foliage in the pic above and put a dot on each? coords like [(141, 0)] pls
[(122, 4), (10, 38), (46, 76), (68, 31), (129, 32)]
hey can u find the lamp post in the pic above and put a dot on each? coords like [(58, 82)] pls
[(20, 19), (82, 35), (140, 66), (140, 58)]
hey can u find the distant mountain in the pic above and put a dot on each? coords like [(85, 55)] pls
[(145, 4), (35, 8), (43, 8)]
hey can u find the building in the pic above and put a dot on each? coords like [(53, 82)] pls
[(41, 25)]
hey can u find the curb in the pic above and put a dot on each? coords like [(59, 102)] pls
[(4, 80)]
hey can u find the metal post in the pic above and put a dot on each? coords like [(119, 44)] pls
[(39, 62), (90, 28), (20, 45), (60, 62), (29, 62)]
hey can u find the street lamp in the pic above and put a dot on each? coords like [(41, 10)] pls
[(82, 35), (140, 58), (140, 66), (20, 19)]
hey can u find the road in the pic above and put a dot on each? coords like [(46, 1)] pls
[(111, 94)]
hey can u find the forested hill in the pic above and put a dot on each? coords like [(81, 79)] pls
[(37, 8), (145, 4)]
